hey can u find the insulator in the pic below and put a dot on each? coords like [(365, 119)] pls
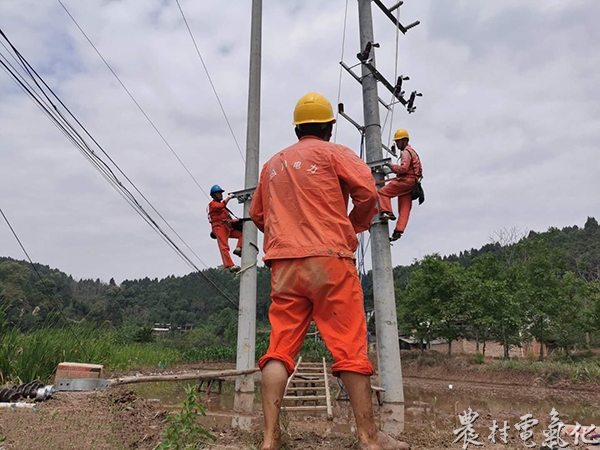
[(28, 390), (9, 395)]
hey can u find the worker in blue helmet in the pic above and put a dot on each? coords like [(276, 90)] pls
[(223, 225)]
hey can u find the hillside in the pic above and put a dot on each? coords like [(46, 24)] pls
[(28, 302)]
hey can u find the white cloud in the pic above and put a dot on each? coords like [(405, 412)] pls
[(506, 128)]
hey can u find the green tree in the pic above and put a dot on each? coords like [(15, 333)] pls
[(539, 288), (432, 305), (572, 318)]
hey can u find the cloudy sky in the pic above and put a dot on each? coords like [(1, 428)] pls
[(508, 127)]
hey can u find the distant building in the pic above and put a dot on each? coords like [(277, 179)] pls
[(161, 328), (186, 327), (464, 346)]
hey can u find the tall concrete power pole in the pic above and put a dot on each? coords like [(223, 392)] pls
[(388, 350), (246, 348)]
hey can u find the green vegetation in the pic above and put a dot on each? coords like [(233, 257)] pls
[(583, 367), (183, 431), (544, 286), (522, 289), (34, 355)]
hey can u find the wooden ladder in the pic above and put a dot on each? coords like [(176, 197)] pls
[(308, 383)]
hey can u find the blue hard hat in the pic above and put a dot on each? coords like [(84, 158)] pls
[(216, 188)]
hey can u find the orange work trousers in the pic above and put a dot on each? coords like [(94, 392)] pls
[(401, 188), (224, 232), (326, 289)]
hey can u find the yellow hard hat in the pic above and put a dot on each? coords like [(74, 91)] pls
[(401, 134), (313, 108)]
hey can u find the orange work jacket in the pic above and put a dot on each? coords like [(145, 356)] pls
[(217, 213), (301, 201), (410, 164)]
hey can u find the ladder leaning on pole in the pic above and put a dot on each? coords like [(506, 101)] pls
[(308, 383)]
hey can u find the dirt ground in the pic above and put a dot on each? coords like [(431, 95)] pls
[(123, 419)]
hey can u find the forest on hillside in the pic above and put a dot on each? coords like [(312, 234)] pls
[(533, 284)]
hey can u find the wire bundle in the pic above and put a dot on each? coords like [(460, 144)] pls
[(44, 97)]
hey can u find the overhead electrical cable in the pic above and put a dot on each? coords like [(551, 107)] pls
[(56, 305), (339, 96), (53, 112), (133, 98), (210, 81), (109, 176)]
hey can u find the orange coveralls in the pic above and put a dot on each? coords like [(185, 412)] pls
[(220, 221), (407, 172), (301, 206)]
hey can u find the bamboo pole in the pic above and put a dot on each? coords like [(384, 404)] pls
[(181, 377), (327, 392)]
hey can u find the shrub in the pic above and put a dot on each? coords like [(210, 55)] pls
[(143, 335), (478, 358), (183, 431)]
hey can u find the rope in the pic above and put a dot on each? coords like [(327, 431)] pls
[(132, 98), (339, 96), (393, 99), (56, 305), (389, 141), (210, 81)]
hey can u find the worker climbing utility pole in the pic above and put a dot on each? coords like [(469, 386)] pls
[(388, 350), (246, 358)]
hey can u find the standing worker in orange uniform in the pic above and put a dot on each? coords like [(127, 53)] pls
[(407, 173), (222, 228), (301, 206)]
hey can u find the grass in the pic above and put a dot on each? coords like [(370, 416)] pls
[(552, 370), (34, 356), (311, 351), (583, 371)]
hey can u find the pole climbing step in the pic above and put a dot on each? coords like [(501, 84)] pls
[(309, 383)]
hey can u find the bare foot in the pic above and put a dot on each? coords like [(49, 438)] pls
[(385, 442), (272, 442)]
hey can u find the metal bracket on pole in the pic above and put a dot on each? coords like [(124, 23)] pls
[(391, 151), (379, 77), (359, 79), (396, 90), (243, 196), (388, 12), (381, 166), (361, 129), (349, 119)]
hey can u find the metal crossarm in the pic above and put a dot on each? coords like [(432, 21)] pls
[(388, 12), (381, 166), (244, 195), (379, 77), (359, 79)]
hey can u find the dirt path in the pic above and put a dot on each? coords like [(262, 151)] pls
[(109, 420), (119, 419)]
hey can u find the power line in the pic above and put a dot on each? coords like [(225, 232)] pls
[(56, 305), (132, 97), (341, 70), (210, 81), (52, 111)]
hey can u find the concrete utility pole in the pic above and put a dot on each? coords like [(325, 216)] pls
[(246, 358), (388, 350)]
